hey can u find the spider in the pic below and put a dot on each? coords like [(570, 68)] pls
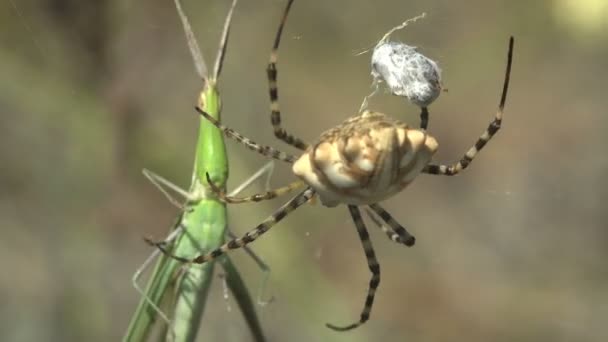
[(365, 160)]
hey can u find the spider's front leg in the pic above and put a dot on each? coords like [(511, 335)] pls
[(250, 236), (450, 170), (270, 194), (273, 90), (266, 151)]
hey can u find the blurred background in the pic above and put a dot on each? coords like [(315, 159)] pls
[(514, 249)]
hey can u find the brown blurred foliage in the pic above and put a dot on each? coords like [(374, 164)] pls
[(514, 249)]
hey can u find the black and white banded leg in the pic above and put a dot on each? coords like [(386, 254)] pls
[(374, 268), (396, 231), (270, 194), (250, 236), (450, 170), (424, 118), (273, 89), (252, 145)]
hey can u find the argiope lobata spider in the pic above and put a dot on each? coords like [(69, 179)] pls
[(365, 160)]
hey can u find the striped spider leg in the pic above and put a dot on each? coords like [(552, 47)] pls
[(363, 161), (424, 118), (273, 89), (465, 161)]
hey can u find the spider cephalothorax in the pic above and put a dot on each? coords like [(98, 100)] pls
[(365, 160), (359, 163)]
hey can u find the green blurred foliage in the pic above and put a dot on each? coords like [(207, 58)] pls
[(512, 250)]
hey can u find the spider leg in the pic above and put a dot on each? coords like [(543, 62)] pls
[(450, 170), (424, 118), (221, 194), (179, 228), (373, 265), (250, 236), (395, 231), (273, 89), (252, 145)]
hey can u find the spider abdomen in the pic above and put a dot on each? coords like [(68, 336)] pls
[(365, 160)]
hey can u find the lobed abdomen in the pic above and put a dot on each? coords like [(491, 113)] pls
[(365, 162)]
